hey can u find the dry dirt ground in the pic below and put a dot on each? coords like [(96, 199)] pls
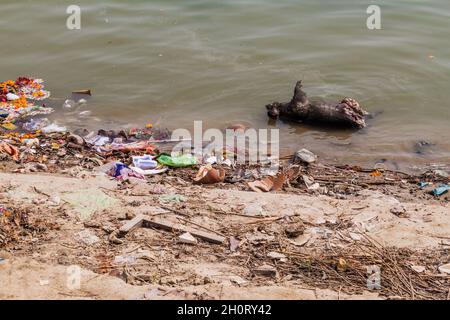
[(282, 245)]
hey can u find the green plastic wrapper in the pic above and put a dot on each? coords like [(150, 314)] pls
[(185, 160)]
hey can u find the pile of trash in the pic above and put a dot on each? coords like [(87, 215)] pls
[(36, 144), (18, 100)]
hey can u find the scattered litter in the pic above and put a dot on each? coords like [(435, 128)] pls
[(4, 211), (209, 175), (399, 211), (341, 265), (121, 171), (418, 269), (36, 124), (68, 104), (150, 171), (9, 149), (269, 183), (8, 126), (211, 160), (144, 162), (12, 97), (98, 140), (423, 184), (376, 173), (443, 188), (264, 185), (53, 127)]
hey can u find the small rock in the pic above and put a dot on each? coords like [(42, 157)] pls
[(294, 230), (418, 269), (355, 236), (265, 270), (61, 152), (441, 173), (75, 139), (234, 244), (238, 280), (305, 156), (87, 237), (399, 211), (445, 268), (54, 200), (207, 280), (187, 238), (34, 167), (130, 215)]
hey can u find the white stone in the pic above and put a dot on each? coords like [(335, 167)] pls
[(418, 269), (445, 268), (276, 256), (87, 237), (355, 236), (238, 280), (187, 238)]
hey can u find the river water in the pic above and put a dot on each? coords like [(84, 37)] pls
[(173, 62)]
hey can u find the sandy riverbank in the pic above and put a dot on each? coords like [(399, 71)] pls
[(292, 244)]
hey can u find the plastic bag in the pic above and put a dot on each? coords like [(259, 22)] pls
[(185, 160)]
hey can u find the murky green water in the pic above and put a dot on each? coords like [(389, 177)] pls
[(222, 61)]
